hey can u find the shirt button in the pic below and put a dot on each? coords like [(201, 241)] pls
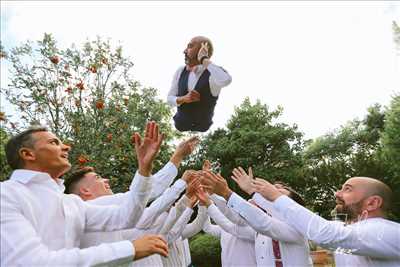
[(262, 257), (263, 242)]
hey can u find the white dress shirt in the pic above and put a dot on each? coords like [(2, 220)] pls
[(293, 246), (375, 240), (41, 226), (149, 223), (179, 251), (219, 78), (238, 250)]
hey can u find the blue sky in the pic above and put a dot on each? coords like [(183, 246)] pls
[(324, 62)]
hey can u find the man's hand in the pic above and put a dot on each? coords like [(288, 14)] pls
[(148, 148), (183, 150), (203, 52), (266, 189), (206, 165), (149, 245), (243, 179), (190, 175), (203, 197), (192, 188), (216, 183), (191, 96)]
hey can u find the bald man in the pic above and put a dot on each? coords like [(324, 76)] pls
[(367, 238), (196, 86)]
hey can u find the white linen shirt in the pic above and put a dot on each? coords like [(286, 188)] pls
[(219, 78), (377, 240), (41, 226), (293, 246), (243, 246)]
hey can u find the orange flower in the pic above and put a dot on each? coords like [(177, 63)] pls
[(68, 90), (99, 104), (55, 59), (2, 116), (82, 160), (104, 61)]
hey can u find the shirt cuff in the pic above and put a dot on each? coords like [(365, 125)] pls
[(180, 185), (282, 203), (211, 209), (171, 99), (122, 252), (143, 183), (215, 197), (234, 201), (170, 167)]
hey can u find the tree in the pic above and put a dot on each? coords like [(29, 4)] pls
[(352, 150), (253, 138), (391, 151), (87, 97)]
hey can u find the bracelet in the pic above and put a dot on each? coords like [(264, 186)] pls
[(202, 59)]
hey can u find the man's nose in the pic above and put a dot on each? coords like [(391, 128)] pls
[(66, 147)]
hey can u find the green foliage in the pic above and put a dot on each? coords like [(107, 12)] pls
[(352, 150), (5, 169), (87, 97), (254, 138), (391, 151), (205, 250)]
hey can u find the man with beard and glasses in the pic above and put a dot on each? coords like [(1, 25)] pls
[(367, 239), (196, 86)]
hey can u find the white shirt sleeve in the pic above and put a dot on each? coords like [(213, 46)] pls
[(263, 223), (174, 213), (179, 226), (375, 237), (212, 229), (193, 228), (163, 179), (232, 215), (125, 215), (243, 232), (173, 91), (161, 204), (21, 245), (219, 78)]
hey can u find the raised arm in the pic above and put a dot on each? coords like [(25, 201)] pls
[(195, 227)]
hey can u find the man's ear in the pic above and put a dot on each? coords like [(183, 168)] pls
[(85, 192), (374, 203), (27, 154)]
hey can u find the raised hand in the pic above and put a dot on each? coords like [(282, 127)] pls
[(266, 189), (203, 197), (203, 52), (206, 165), (243, 179), (148, 245), (183, 150), (148, 148), (192, 188), (215, 183), (190, 175)]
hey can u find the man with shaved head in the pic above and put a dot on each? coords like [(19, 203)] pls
[(367, 238), (196, 86)]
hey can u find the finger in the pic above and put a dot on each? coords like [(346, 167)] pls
[(137, 140), (236, 173), (161, 248), (147, 131), (250, 172), (156, 132), (151, 130), (235, 179), (242, 171)]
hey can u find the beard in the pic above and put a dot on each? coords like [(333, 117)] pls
[(352, 211)]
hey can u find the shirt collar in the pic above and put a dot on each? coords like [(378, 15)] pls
[(195, 69), (26, 176)]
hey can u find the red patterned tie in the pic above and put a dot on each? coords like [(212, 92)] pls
[(277, 253)]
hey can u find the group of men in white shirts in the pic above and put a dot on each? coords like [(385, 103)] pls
[(149, 225)]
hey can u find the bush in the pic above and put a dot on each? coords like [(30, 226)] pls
[(205, 250)]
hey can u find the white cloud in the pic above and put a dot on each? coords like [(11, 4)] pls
[(325, 63)]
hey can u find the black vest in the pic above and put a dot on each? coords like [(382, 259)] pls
[(195, 116)]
